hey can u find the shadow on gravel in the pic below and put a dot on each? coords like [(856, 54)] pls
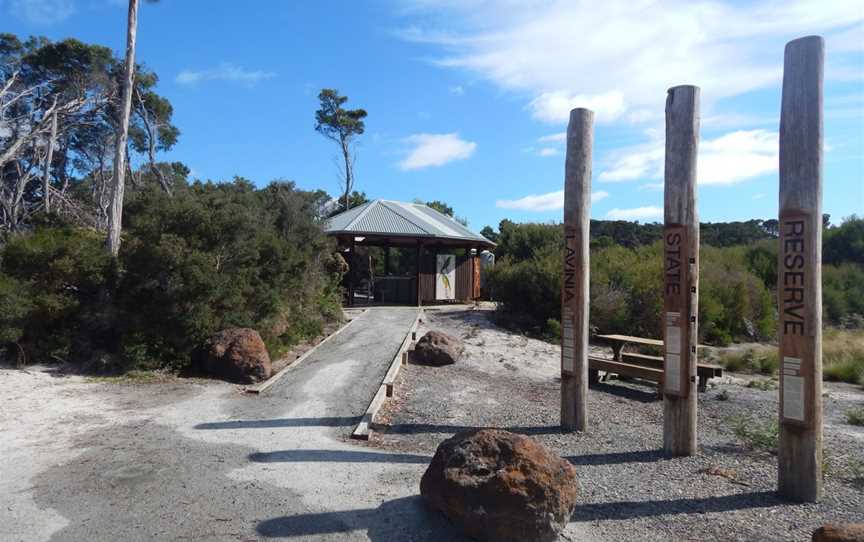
[(627, 392), (639, 509), (399, 519), (343, 421), (641, 456), (416, 428), (337, 456)]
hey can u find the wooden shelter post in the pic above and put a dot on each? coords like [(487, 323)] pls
[(799, 457), (681, 272), (575, 282), (419, 259)]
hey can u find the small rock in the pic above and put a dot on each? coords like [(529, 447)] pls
[(438, 348), (840, 532), (237, 355), (499, 486)]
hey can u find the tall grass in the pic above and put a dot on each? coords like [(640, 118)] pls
[(842, 357)]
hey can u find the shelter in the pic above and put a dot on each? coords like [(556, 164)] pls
[(444, 266)]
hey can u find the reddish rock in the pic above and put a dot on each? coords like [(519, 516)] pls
[(840, 532), (499, 486), (437, 348), (237, 355)]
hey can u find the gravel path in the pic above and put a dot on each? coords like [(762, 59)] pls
[(629, 491), (200, 460)]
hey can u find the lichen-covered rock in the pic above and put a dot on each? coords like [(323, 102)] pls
[(500, 486), (840, 532), (237, 355), (437, 348)]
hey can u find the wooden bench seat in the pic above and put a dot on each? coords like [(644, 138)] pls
[(647, 368), (705, 371), (625, 369)]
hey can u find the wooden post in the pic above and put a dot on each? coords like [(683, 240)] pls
[(574, 287), (799, 286), (352, 273), (419, 260), (681, 271)]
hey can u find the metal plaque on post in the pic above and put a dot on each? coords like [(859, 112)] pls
[(676, 311)]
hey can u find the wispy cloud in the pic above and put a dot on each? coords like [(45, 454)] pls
[(552, 201), (553, 138), (42, 12), (433, 150), (618, 57), (729, 159), (457, 90), (224, 72), (548, 151), (637, 213)]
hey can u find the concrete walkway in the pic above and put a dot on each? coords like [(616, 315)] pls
[(190, 461)]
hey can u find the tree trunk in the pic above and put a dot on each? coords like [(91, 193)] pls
[(46, 177), (115, 214), (346, 155)]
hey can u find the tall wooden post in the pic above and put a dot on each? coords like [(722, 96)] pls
[(681, 271), (799, 285), (575, 282)]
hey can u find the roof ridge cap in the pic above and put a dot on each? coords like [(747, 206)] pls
[(394, 211)]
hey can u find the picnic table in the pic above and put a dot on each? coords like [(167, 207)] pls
[(634, 364)]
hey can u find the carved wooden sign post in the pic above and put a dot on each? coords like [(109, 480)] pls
[(575, 281), (799, 286), (681, 271)]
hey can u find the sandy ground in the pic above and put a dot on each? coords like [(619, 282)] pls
[(629, 490), (199, 460)]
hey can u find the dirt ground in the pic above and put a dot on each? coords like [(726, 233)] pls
[(629, 490)]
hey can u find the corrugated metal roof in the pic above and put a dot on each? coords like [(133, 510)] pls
[(397, 218)]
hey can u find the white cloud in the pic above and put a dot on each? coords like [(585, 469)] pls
[(433, 150), (548, 151), (42, 12), (653, 187), (552, 201), (620, 56), (457, 90), (224, 72), (553, 138), (729, 159), (554, 107), (758, 196), (637, 213)]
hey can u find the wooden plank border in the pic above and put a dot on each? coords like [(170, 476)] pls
[(387, 387), (262, 387)]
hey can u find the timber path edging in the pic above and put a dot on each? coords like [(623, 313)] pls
[(387, 387), (262, 387)]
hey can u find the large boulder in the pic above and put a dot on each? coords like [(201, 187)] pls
[(840, 532), (437, 348), (237, 355), (499, 486)]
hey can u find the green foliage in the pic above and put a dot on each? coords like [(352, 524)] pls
[(855, 416), (761, 360), (843, 355), (755, 434), (844, 243), (626, 286), (50, 284), (211, 257)]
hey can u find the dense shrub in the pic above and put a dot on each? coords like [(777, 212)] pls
[(213, 256), (50, 286), (626, 287)]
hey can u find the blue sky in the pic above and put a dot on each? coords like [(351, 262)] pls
[(468, 99)]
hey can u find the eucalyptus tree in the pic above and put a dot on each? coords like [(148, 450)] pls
[(58, 124), (341, 126)]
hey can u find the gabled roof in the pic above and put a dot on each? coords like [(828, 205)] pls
[(399, 219)]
